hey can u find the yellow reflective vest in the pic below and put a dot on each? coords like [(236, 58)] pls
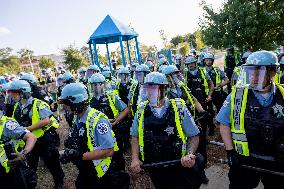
[(239, 97), (178, 106), (101, 165), (37, 105), (18, 144)]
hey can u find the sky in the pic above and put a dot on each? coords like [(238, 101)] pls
[(47, 26)]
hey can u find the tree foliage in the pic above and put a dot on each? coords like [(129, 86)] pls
[(194, 39), (8, 63), (46, 62), (72, 58), (184, 50), (257, 24)]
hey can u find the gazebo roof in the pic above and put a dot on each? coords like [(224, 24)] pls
[(110, 30)]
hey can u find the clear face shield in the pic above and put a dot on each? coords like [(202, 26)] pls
[(208, 62), (139, 76), (82, 74), (123, 78), (98, 89), (191, 66), (257, 78), (60, 82), (155, 94)]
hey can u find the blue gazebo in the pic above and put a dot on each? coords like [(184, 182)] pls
[(111, 31)]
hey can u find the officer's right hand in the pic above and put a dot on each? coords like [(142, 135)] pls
[(232, 159), (135, 166), (188, 160)]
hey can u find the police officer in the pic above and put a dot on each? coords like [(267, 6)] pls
[(162, 61), (37, 91), (67, 78), (15, 136), (230, 62), (91, 70), (252, 125), (111, 105), (202, 87), (178, 61), (219, 79), (132, 68), (123, 84), (237, 70), (164, 130), (140, 72), (36, 116), (279, 77), (177, 89), (91, 142), (150, 64), (109, 79), (82, 72)]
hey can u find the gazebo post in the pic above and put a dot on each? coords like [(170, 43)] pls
[(137, 49), (91, 53), (122, 51), (108, 57), (129, 54), (170, 56), (96, 54)]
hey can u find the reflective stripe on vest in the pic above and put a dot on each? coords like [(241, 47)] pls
[(112, 105), (189, 97), (237, 116), (18, 144), (101, 165), (218, 79), (237, 70), (131, 91), (37, 105), (277, 77), (205, 83), (178, 106)]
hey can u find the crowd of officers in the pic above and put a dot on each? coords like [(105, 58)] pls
[(160, 113)]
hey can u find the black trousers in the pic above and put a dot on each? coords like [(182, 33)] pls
[(46, 148), (18, 179), (113, 179), (175, 177), (247, 179)]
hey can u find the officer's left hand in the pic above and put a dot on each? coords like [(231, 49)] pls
[(17, 161), (188, 160)]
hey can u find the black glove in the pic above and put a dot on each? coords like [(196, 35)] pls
[(233, 161), (70, 155)]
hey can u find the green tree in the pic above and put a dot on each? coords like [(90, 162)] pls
[(86, 55), (177, 40), (25, 54), (46, 62), (199, 44), (5, 53), (73, 58), (257, 24), (184, 49)]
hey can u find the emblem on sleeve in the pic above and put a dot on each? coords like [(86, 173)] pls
[(102, 128), (278, 110), (11, 125)]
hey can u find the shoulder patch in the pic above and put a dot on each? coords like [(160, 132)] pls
[(226, 103), (102, 128), (11, 125)]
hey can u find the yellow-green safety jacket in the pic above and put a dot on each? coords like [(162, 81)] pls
[(239, 98), (37, 105), (101, 165), (178, 106), (18, 144)]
